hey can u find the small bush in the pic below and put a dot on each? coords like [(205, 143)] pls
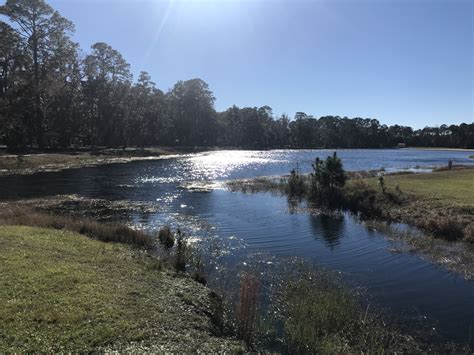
[(327, 176), (166, 238)]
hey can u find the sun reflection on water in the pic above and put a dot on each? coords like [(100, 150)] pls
[(220, 164)]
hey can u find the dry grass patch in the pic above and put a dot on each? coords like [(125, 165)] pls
[(106, 232)]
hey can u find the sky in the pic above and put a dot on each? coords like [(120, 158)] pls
[(408, 62)]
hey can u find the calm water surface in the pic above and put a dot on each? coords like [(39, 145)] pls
[(262, 223)]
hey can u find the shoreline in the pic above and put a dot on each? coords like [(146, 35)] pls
[(439, 148), (29, 164), (148, 307), (33, 163), (194, 308), (437, 206)]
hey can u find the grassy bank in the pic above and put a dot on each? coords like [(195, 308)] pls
[(447, 188), (62, 291), (41, 162), (441, 203)]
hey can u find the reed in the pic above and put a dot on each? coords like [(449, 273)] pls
[(248, 308)]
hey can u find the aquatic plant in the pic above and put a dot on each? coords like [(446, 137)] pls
[(322, 317), (247, 308), (449, 228), (296, 185)]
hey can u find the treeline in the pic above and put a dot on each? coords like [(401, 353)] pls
[(53, 96)]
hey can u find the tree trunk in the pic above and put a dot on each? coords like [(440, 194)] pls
[(38, 119)]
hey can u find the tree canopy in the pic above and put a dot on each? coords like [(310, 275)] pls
[(52, 96)]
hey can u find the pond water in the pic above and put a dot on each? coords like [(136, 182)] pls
[(263, 223)]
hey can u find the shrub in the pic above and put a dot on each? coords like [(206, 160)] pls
[(327, 176), (165, 237)]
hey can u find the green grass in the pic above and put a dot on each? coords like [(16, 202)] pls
[(471, 156), (447, 187), (322, 317), (62, 291)]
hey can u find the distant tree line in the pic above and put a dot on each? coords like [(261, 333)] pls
[(53, 96)]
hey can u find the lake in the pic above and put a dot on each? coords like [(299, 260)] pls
[(263, 223)]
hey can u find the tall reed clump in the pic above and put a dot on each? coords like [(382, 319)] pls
[(180, 256), (248, 308), (296, 185), (106, 232), (448, 228), (322, 317)]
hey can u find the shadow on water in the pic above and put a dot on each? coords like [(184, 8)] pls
[(329, 227)]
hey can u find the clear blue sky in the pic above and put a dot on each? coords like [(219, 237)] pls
[(401, 61)]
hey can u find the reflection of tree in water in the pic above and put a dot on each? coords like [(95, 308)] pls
[(293, 204), (330, 227)]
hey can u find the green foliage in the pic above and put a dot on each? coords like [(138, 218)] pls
[(61, 100), (322, 317), (327, 176)]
